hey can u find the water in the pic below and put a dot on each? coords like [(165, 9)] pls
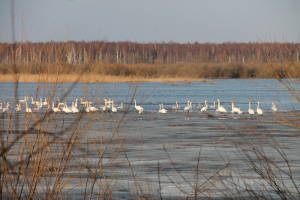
[(149, 95)]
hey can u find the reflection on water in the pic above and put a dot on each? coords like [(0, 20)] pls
[(150, 95)]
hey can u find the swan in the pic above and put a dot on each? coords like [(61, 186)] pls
[(18, 107), (214, 106), (204, 109), (198, 106), (75, 104), (139, 108), (176, 107), (23, 100), (274, 108), (6, 107), (240, 111), (188, 108), (74, 108), (220, 108), (121, 106), (258, 110), (108, 104), (161, 109), (28, 110), (250, 111), (91, 108), (34, 102), (234, 109), (45, 102), (60, 104), (86, 107), (66, 109), (55, 109), (82, 102), (104, 108), (113, 108)]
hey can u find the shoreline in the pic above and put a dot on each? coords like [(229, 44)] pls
[(91, 78)]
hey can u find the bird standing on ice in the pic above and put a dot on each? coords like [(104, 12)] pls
[(258, 110), (139, 108), (251, 111)]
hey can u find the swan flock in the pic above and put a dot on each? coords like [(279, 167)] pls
[(29, 105)]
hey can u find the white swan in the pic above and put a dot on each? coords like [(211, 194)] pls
[(74, 108), (86, 107), (161, 109), (189, 107), (139, 108), (204, 109), (66, 109), (220, 108), (121, 106), (93, 109), (28, 110), (23, 100), (258, 110), (82, 102), (113, 108), (45, 102), (6, 107), (274, 108), (176, 107), (60, 104), (76, 103), (240, 111), (104, 108), (18, 107), (214, 106), (196, 106), (234, 109), (108, 104), (55, 109), (34, 102), (250, 111)]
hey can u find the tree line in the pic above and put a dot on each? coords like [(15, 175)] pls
[(127, 52)]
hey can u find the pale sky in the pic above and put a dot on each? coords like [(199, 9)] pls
[(214, 21)]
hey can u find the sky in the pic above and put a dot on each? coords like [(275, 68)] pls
[(181, 21)]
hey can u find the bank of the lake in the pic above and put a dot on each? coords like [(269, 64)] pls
[(92, 78)]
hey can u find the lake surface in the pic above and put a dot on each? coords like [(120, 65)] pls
[(147, 136), (149, 95)]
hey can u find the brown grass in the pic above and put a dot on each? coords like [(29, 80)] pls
[(118, 72), (94, 78)]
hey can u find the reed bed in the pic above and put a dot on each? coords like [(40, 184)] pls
[(92, 78), (146, 73)]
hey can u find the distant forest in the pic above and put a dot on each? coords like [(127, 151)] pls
[(149, 53), (208, 60)]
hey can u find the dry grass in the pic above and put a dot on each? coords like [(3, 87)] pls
[(94, 78)]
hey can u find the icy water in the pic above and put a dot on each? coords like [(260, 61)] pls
[(149, 95), (154, 139)]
